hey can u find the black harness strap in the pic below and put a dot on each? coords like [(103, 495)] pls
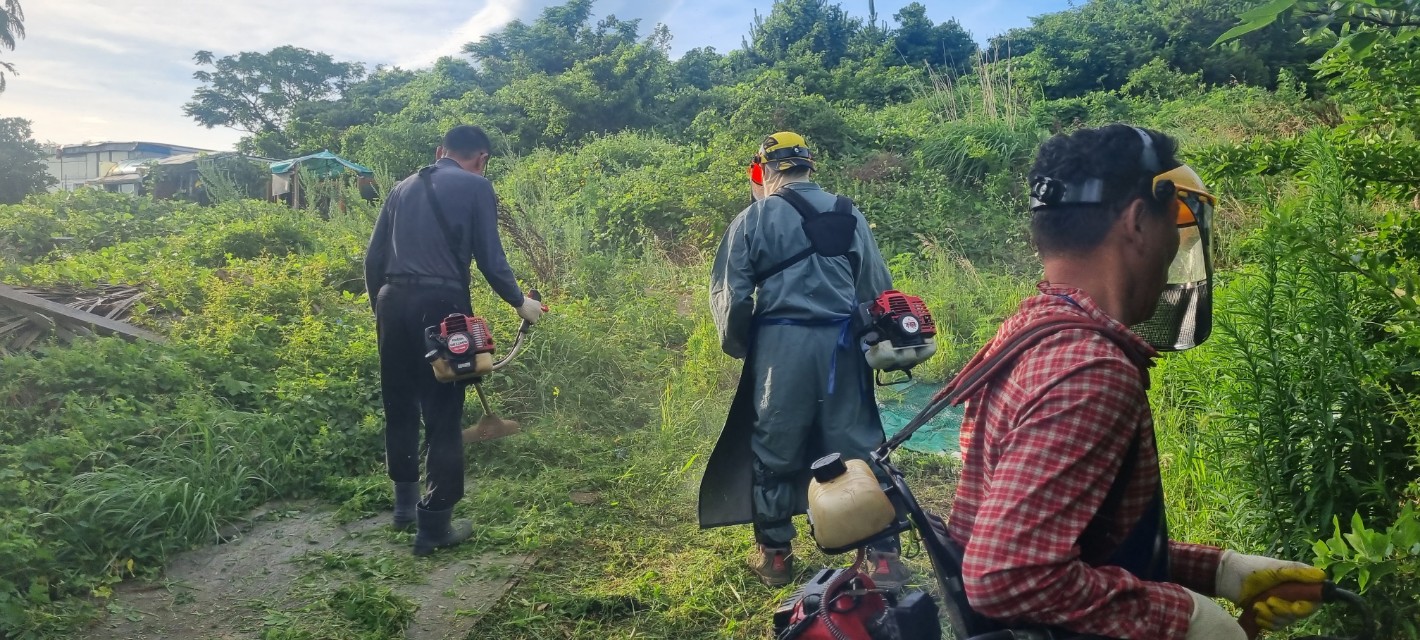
[(452, 237), (841, 207)]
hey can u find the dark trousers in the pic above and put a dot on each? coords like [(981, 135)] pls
[(410, 391), (798, 420)]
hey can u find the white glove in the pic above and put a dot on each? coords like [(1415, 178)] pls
[(1210, 622), (1242, 577), (530, 310)]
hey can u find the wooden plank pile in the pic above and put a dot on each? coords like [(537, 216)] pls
[(28, 315)]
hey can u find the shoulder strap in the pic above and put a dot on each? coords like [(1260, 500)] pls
[(797, 201), (1097, 526), (454, 240), (982, 368), (782, 265), (842, 205)]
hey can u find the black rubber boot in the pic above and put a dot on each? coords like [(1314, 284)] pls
[(437, 530), (406, 496)]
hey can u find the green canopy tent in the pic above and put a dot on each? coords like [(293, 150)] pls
[(324, 165), (321, 166)]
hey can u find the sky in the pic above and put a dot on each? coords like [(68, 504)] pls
[(105, 70)]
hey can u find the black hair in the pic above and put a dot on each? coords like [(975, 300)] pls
[(1113, 155), (466, 141)]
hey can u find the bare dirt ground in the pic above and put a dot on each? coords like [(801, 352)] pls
[(262, 576)]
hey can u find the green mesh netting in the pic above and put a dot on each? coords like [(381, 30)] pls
[(898, 404)]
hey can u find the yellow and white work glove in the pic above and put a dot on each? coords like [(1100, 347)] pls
[(1210, 622), (1242, 577), (530, 310)]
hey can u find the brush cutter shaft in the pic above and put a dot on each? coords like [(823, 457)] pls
[(482, 399)]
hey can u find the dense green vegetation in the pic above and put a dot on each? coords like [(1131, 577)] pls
[(12, 28), (1297, 423), (23, 171)]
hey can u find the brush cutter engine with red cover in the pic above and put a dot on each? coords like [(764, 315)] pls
[(899, 333), (459, 348)]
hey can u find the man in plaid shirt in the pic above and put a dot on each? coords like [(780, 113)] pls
[(1061, 473)]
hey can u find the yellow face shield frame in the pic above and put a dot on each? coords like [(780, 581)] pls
[(1185, 189)]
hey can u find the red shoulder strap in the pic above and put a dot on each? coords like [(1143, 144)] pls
[(982, 368)]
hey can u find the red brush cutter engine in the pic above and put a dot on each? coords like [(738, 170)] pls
[(899, 332), (460, 348), (844, 604)]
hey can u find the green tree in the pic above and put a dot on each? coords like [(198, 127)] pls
[(699, 67), (1095, 46), (22, 167), (917, 40), (1349, 25), (12, 28), (562, 36), (603, 94), (1372, 67), (259, 92), (795, 28)]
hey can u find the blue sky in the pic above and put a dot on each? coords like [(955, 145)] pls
[(95, 70)]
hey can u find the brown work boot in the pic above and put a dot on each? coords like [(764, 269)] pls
[(887, 571), (773, 565)]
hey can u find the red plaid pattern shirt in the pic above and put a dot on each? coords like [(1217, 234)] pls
[(1041, 446)]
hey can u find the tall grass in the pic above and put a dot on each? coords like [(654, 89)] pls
[(971, 151), (1293, 397), (989, 93)]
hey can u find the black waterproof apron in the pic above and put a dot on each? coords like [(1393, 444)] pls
[(726, 489)]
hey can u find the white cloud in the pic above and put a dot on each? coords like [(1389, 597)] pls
[(101, 70), (107, 70), (488, 20)]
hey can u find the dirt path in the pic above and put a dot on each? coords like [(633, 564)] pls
[(279, 575)]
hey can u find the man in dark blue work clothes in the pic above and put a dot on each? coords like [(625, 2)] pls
[(417, 272)]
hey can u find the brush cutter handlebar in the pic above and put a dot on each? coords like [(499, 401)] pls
[(523, 330), (1321, 592)]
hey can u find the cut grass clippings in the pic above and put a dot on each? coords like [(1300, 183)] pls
[(633, 564)]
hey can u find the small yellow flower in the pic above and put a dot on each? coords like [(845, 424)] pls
[(556, 391)]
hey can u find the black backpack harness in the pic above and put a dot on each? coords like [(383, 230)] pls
[(830, 233)]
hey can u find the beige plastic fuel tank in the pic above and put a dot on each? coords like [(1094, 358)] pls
[(847, 506)]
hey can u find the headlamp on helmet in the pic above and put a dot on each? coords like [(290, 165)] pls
[(782, 151), (1183, 316)]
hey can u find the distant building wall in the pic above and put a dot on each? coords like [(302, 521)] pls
[(73, 165)]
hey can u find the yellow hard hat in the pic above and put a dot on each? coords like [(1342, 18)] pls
[(783, 151)]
